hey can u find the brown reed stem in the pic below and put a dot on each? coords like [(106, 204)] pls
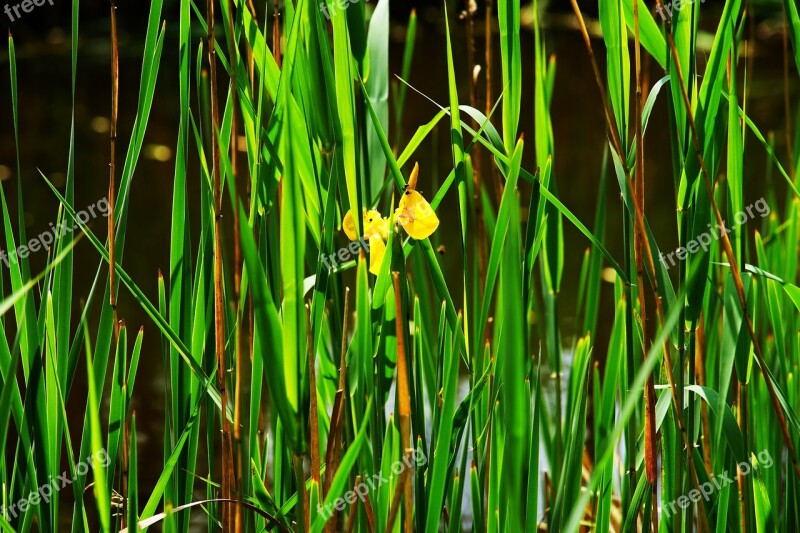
[(488, 57), (228, 515), (403, 398), (313, 417), (650, 435), (700, 370), (237, 268), (112, 275), (333, 449), (404, 479)]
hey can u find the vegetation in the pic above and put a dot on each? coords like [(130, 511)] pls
[(308, 390)]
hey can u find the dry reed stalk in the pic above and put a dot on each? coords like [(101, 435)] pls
[(227, 482), (650, 435), (333, 449), (313, 421), (700, 370), (112, 275), (403, 398), (237, 272)]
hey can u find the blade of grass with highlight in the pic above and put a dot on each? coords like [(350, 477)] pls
[(99, 483), (513, 363), (508, 12)]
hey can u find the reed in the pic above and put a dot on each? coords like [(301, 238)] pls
[(294, 389)]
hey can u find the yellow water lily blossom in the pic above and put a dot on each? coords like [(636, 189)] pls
[(414, 213), (376, 230)]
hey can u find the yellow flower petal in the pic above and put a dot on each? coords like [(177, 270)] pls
[(349, 226), (377, 249), (374, 224), (412, 179), (416, 215)]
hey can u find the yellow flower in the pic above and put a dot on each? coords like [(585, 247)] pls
[(414, 213), (377, 249), (376, 229)]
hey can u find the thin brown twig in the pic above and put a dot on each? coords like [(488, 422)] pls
[(488, 56), (650, 435), (403, 397), (370, 513), (700, 370), (470, 8), (228, 514), (277, 50), (112, 277), (335, 431), (313, 418), (351, 519), (398, 493), (238, 456), (112, 283)]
